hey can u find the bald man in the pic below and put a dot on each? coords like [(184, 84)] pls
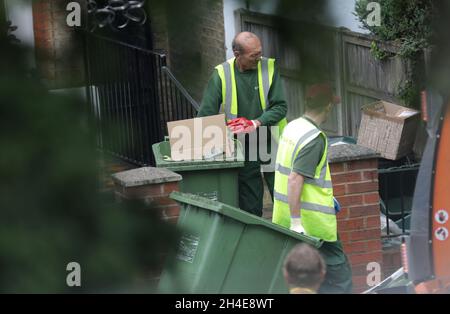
[(255, 104)]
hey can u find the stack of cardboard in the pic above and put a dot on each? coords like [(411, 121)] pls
[(388, 129)]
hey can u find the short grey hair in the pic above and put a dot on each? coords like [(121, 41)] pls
[(236, 46), (304, 266)]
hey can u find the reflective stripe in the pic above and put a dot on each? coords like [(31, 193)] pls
[(323, 172), (283, 170), (280, 197), (301, 140), (321, 182), (306, 205), (229, 87), (228, 90), (327, 184), (317, 208), (316, 202), (265, 80)]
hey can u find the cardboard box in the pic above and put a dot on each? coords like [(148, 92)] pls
[(200, 139), (388, 129)]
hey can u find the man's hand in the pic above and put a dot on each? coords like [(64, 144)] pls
[(296, 225), (242, 125)]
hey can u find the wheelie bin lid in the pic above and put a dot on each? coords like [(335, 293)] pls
[(161, 151), (240, 215)]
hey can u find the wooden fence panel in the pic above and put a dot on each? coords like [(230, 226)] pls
[(354, 102), (367, 79), (347, 63), (294, 92)]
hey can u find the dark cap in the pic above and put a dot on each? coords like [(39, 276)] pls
[(322, 92)]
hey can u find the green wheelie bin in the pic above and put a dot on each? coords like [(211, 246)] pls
[(223, 249), (213, 179)]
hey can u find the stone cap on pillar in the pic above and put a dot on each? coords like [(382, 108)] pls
[(144, 176), (349, 152)]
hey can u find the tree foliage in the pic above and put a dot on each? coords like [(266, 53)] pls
[(409, 22)]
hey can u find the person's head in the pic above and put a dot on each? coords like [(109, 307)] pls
[(319, 101), (304, 267), (247, 50)]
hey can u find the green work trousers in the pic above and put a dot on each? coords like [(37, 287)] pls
[(338, 278), (251, 187)]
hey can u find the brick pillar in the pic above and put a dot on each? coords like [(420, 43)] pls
[(196, 40), (151, 185), (355, 186)]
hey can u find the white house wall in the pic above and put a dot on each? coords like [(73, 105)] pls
[(20, 13), (229, 6)]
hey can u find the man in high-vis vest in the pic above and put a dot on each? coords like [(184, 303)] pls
[(303, 193), (247, 88)]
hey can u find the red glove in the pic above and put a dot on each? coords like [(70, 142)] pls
[(239, 121), (241, 125)]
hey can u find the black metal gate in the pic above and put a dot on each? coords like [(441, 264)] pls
[(132, 95)]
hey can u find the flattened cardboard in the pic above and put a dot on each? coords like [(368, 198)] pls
[(200, 138)]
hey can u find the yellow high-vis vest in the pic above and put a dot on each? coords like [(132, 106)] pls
[(229, 104), (316, 204)]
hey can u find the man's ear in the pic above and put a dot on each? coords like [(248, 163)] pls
[(236, 53)]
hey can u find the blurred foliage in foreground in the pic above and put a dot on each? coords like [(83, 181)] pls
[(50, 211)]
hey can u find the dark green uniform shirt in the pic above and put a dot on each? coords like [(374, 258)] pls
[(249, 104)]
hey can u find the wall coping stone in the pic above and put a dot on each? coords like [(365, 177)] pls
[(349, 152), (144, 176)]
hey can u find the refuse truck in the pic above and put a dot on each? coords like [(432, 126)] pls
[(426, 251)]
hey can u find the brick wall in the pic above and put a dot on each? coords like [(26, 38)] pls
[(192, 33), (355, 185), (212, 37), (59, 48), (155, 197), (151, 188), (192, 36), (196, 41), (157, 17)]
